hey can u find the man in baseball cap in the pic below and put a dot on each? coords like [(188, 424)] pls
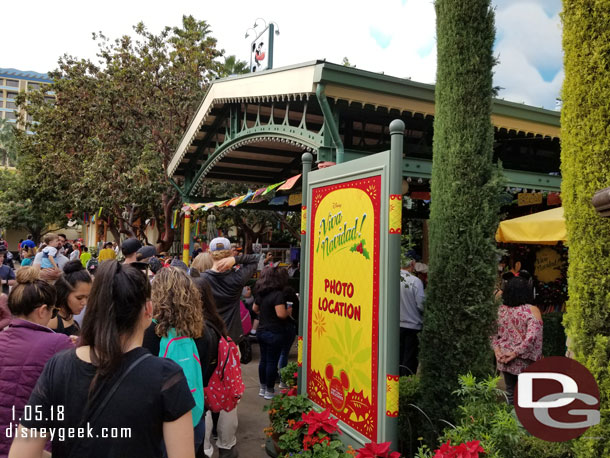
[(129, 249), (226, 284)]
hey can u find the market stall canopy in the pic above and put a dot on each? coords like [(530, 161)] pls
[(544, 228)]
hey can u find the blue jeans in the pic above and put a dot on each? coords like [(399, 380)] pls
[(271, 345), (285, 352)]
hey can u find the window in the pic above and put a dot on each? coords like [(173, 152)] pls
[(12, 83), (11, 95), (11, 104), (33, 86), (10, 115)]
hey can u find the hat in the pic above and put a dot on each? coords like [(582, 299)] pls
[(146, 252), (178, 263), (92, 266), (130, 246), (28, 244), (155, 265), (220, 243)]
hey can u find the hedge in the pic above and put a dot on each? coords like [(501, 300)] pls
[(459, 313), (585, 167)]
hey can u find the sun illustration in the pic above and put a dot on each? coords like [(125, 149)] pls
[(319, 324), (372, 192)]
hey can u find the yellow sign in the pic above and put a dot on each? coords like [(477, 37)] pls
[(395, 212), (303, 219), (548, 265), (528, 198), (342, 349)]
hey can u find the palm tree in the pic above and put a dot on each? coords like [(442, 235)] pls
[(233, 66), (8, 144)]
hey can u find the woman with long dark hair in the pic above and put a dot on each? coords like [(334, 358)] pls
[(110, 385), (276, 329), (27, 344), (73, 289), (518, 341)]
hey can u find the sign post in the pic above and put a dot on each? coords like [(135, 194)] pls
[(351, 291)]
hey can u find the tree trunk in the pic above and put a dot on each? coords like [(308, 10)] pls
[(460, 310), (166, 238)]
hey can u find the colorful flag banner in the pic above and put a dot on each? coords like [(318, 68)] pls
[(295, 199), (280, 200), (272, 187), (99, 213), (290, 182)]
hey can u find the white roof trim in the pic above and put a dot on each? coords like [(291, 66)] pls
[(291, 83)]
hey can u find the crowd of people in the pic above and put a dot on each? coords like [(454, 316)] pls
[(517, 342), (97, 344)]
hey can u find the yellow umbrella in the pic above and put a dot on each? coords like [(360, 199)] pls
[(544, 228)]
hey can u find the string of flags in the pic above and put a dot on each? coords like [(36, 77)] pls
[(254, 197)]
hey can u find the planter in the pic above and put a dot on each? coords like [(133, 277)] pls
[(271, 447)]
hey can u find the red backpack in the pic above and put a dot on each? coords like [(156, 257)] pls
[(225, 386)]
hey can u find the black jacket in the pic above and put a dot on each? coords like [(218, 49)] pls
[(226, 288)]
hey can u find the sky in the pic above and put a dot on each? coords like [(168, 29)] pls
[(396, 37)]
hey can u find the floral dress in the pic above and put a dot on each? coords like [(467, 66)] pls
[(519, 331)]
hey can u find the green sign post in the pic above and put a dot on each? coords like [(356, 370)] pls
[(349, 336)]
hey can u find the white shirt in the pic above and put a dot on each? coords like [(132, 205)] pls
[(411, 301)]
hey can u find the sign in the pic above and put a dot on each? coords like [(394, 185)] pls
[(548, 265), (342, 339), (351, 293), (529, 198), (557, 399), (261, 50)]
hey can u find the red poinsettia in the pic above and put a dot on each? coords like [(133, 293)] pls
[(467, 450), (374, 450), (318, 422)]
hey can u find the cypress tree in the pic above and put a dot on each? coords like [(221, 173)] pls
[(459, 310), (585, 167)]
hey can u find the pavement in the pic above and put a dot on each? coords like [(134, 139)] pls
[(252, 419)]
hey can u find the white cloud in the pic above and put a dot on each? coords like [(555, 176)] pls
[(311, 30)]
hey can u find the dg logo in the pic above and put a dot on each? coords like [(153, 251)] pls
[(557, 399)]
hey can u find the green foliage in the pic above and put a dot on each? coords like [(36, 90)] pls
[(415, 428), (554, 338), (283, 408), (23, 207), (287, 374), (8, 144), (485, 416), (459, 308), (109, 137), (233, 66), (585, 167)]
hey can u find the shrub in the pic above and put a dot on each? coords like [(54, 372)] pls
[(459, 306), (554, 337), (585, 157)]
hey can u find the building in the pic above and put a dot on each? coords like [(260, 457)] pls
[(12, 82)]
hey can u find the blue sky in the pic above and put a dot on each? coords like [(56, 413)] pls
[(396, 37)]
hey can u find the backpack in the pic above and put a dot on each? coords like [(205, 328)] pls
[(183, 351), (225, 386)]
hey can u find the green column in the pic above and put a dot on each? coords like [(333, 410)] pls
[(307, 159), (397, 129)]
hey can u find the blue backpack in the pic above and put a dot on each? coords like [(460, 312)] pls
[(183, 351)]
